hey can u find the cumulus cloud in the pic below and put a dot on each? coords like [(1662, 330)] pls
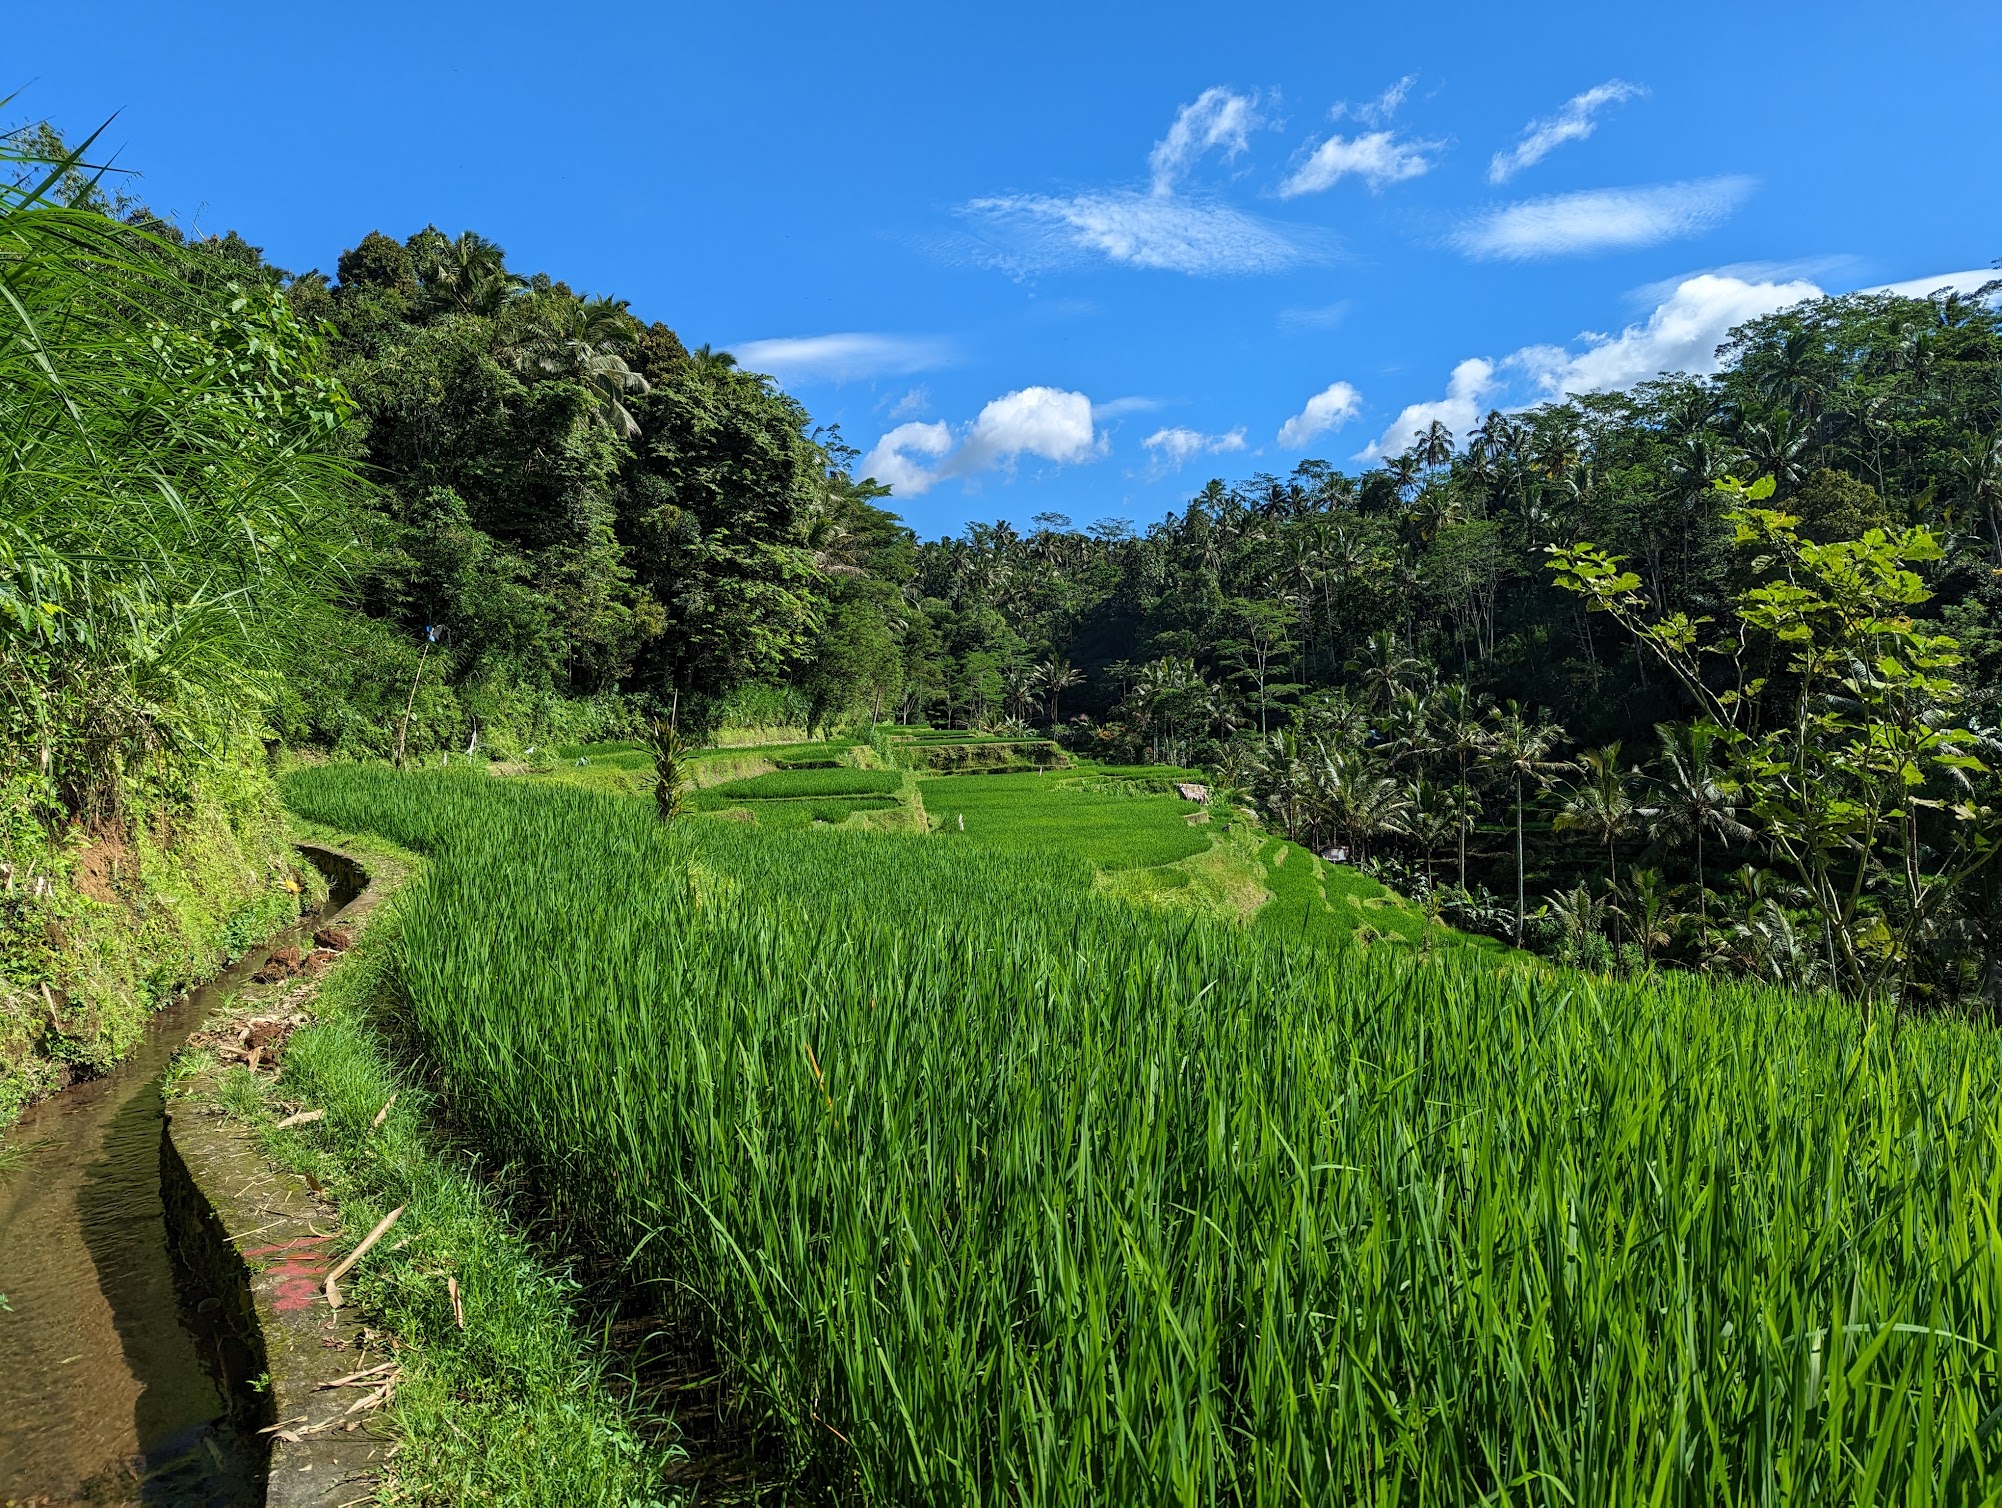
[(1466, 390), (1173, 234), (1174, 446), (1218, 118), (1602, 219), (1331, 408), (1035, 421), (1044, 422), (1376, 157), (842, 357), (898, 459), (1681, 335), (1574, 122)]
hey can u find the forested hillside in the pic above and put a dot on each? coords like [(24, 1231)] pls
[(555, 522), (1439, 664)]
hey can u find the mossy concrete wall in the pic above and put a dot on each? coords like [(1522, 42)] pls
[(264, 1244)]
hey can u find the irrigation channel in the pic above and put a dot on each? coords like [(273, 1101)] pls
[(116, 1380)]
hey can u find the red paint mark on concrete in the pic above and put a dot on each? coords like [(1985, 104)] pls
[(298, 1271)]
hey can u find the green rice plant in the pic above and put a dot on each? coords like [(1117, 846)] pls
[(989, 1190), (624, 753), (1107, 827), (803, 811), (810, 782)]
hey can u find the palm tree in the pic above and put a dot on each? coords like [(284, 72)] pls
[(1602, 806), (1697, 797), (466, 273), (1384, 667), (1435, 447), (1462, 733), (1654, 919), (583, 340), (1429, 820), (711, 363), (1977, 475), (1351, 795), (1057, 675), (1520, 750), (1581, 914)]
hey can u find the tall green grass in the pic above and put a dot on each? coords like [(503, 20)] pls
[(990, 1191)]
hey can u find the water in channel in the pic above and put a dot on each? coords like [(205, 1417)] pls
[(115, 1381)]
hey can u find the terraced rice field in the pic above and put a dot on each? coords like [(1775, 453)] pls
[(990, 1189)]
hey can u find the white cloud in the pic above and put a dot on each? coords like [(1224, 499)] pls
[(1137, 230), (916, 401), (1378, 111), (1036, 421), (894, 462), (1318, 317), (1118, 408), (1959, 282), (1176, 445), (841, 357), (1045, 422), (1328, 409), (1574, 122), (1161, 228), (1681, 335), (1218, 118), (1602, 219), (1376, 157), (1466, 390)]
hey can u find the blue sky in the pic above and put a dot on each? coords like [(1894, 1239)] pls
[(1080, 258)]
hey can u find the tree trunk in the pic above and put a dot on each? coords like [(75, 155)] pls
[(403, 728), (1519, 879), (1702, 891), (1460, 819)]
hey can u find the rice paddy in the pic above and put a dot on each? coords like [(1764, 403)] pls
[(990, 1189)]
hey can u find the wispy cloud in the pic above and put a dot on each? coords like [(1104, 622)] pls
[(1163, 227), (1219, 117), (1047, 423), (1602, 219), (1318, 317), (1466, 390), (1378, 111), (1202, 237), (1174, 446), (1118, 408), (1379, 156), (1331, 408), (1576, 120), (914, 402), (844, 357), (1376, 157), (1956, 282)]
